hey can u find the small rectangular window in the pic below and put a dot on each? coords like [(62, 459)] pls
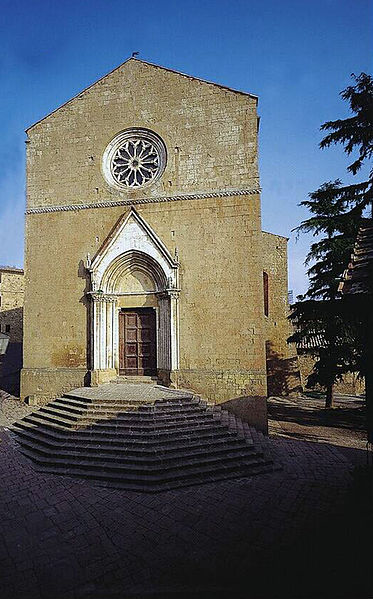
[(7, 328), (265, 293)]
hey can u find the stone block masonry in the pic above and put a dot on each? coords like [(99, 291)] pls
[(11, 323), (200, 216)]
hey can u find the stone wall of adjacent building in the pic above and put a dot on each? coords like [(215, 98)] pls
[(282, 366), (211, 139), (350, 384), (11, 323)]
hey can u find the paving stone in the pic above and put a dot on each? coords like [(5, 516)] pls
[(93, 542)]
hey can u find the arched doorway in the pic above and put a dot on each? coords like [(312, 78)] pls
[(134, 305)]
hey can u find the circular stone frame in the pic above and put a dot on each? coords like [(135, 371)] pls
[(132, 137)]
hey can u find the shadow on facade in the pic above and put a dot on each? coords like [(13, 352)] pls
[(11, 361), (283, 376)]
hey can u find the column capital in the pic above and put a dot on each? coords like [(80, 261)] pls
[(98, 296), (169, 294)]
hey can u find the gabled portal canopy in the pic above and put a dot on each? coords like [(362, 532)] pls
[(133, 246)]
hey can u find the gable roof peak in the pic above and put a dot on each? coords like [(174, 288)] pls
[(193, 77), (135, 59)]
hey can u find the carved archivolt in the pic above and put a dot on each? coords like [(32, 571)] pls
[(130, 262), (120, 268)]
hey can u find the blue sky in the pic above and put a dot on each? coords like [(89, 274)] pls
[(296, 55)]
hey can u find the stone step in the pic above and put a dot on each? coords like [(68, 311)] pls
[(123, 379), (207, 477), (103, 428), (113, 399), (54, 443), (138, 427), (147, 471), (95, 413), (39, 417), (56, 440), (157, 407), (161, 484), (128, 403), (162, 481), (123, 422), (73, 406), (153, 444), (95, 457), (118, 438)]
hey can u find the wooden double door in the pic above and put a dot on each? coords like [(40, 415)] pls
[(137, 342)]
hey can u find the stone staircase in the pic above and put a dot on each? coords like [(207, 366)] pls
[(149, 441)]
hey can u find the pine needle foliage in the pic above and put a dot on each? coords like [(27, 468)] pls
[(336, 212)]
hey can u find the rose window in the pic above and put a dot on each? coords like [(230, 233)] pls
[(135, 163), (135, 158)]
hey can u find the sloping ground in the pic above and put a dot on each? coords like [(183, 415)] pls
[(305, 418), (141, 437)]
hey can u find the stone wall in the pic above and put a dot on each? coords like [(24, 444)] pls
[(221, 330), (200, 124), (11, 323), (350, 384), (72, 209), (282, 365)]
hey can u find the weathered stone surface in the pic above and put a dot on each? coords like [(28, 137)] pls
[(211, 139), (11, 323)]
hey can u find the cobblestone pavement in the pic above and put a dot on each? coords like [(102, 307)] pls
[(265, 536)]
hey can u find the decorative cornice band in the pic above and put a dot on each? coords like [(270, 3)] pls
[(154, 200)]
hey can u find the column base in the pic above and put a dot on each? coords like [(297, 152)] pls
[(99, 377), (168, 378)]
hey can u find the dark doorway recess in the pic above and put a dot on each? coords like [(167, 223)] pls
[(137, 342)]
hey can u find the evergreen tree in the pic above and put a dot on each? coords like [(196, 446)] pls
[(336, 217), (336, 214)]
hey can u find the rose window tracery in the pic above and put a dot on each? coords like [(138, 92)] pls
[(135, 163), (135, 158)]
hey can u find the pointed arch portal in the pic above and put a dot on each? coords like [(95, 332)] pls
[(133, 270)]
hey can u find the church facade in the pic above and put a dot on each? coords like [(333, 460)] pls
[(144, 249)]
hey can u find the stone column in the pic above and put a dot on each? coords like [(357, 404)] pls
[(164, 336), (175, 330), (168, 338), (102, 331)]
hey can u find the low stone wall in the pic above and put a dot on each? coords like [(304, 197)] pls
[(252, 410), (220, 386), (40, 385)]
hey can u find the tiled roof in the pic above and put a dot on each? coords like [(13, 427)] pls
[(313, 341), (357, 278), (11, 269)]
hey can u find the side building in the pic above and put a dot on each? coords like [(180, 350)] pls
[(11, 325), (283, 377)]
